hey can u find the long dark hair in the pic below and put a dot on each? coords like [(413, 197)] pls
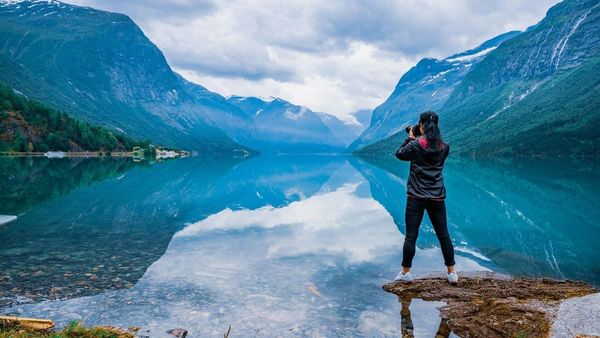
[(429, 120)]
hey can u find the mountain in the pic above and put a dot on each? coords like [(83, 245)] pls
[(536, 94), (344, 131), (363, 117), (280, 126), (28, 126), (426, 86), (100, 67)]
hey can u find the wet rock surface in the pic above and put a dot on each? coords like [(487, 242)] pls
[(492, 305)]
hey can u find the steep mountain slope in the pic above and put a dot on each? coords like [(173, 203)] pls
[(536, 94), (228, 117), (425, 86), (100, 67), (280, 126)]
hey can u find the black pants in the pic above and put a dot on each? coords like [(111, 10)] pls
[(413, 216)]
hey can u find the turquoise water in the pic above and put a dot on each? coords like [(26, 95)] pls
[(272, 245)]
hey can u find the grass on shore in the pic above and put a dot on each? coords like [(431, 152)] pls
[(73, 330)]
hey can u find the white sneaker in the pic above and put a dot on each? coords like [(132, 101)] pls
[(453, 278), (404, 277)]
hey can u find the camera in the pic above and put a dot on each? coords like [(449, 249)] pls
[(416, 131)]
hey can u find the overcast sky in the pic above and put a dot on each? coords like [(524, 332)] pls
[(333, 56)]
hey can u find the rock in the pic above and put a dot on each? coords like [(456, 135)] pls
[(181, 333), (31, 323), (491, 305), (578, 316)]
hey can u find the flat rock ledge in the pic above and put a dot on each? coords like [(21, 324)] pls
[(486, 304)]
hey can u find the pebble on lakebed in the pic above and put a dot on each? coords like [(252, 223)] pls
[(180, 333), (485, 304)]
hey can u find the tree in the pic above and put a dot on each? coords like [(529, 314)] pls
[(6, 105), (40, 146)]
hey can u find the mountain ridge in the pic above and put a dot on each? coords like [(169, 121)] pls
[(536, 94), (100, 67), (426, 86), (281, 126)]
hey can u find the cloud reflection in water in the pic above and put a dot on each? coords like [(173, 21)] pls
[(312, 267)]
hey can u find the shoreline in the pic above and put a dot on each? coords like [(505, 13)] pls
[(484, 304), (70, 154), (488, 304)]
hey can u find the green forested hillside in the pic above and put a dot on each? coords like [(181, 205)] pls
[(100, 67), (536, 94), (27, 125), (560, 117)]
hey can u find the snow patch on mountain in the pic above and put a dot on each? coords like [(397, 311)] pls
[(470, 57), (295, 115), (267, 98), (33, 2)]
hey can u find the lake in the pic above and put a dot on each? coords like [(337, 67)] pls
[(273, 245)]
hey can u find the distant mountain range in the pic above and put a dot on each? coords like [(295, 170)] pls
[(100, 67), (533, 93), (345, 131), (280, 126)]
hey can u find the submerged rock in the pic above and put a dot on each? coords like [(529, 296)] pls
[(492, 305), (180, 333)]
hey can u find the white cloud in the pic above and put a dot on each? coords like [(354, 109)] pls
[(333, 56)]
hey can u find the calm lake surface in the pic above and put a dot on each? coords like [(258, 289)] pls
[(273, 245)]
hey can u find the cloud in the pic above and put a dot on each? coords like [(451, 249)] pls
[(150, 10), (333, 56)]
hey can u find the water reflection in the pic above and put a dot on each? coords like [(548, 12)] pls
[(424, 326), (104, 235), (528, 217), (309, 266), (26, 182), (283, 245), (99, 236)]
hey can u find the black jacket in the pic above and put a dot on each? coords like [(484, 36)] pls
[(426, 165)]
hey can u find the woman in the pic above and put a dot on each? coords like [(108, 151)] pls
[(427, 155)]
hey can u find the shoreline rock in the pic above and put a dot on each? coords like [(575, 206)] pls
[(578, 317), (486, 304)]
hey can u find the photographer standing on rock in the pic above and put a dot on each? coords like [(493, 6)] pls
[(427, 153)]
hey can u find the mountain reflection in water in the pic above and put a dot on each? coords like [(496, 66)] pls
[(279, 245)]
